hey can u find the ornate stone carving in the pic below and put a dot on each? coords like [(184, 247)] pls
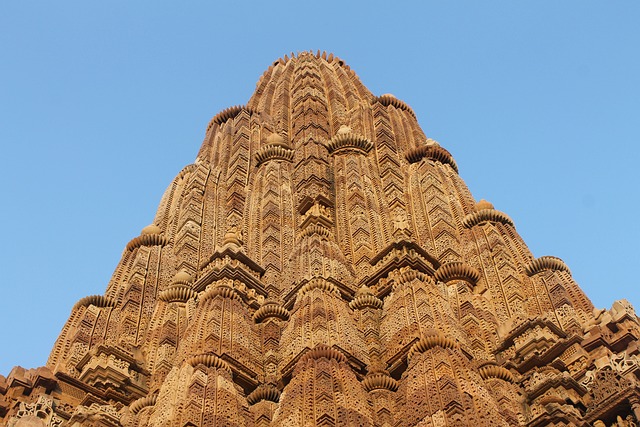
[(486, 214), (433, 152), (379, 380), (322, 263), (347, 140), (545, 263), (38, 413), (149, 236), (228, 113), (95, 300), (271, 309), (143, 402), (388, 99), (456, 270), (264, 392)]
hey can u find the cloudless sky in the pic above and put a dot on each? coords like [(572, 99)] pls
[(103, 103)]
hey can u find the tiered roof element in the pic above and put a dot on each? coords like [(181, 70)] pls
[(323, 263)]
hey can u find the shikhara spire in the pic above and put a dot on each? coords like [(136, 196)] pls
[(322, 263)]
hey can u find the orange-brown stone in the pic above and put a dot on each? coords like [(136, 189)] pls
[(322, 263)]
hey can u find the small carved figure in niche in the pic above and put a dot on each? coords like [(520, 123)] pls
[(318, 210), (400, 221), (233, 236), (626, 422), (359, 214), (315, 209)]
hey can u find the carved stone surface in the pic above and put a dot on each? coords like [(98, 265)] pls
[(322, 263)]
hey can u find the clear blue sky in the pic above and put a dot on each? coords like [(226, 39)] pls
[(102, 103)]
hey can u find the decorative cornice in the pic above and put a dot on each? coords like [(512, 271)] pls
[(147, 240), (318, 283), (530, 324), (187, 169), (92, 392), (317, 214), (407, 275), (273, 152), (361, 302), (403, 247), (264, 392), (432, 152), (486, 215), (498, 372), (399, 254), (146, 401), (349, 141), (379, 381), (457, 270), (431, 341), (111, 350), (218, 289), (322, 350), (322, 231), (295, 292), (96, 300), (177, 293), (270, 309), (547, 381), (388, 99), (228, 113), (182, 277), (230, 262), (543, 263), (209, 360)]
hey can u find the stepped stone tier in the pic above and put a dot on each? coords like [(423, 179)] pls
[(322, 263)]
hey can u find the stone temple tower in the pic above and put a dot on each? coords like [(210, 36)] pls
[(322, 263)]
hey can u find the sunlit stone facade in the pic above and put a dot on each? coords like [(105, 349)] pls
[(322, 263)]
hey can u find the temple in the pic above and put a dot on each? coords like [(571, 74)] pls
[(322, 263)]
